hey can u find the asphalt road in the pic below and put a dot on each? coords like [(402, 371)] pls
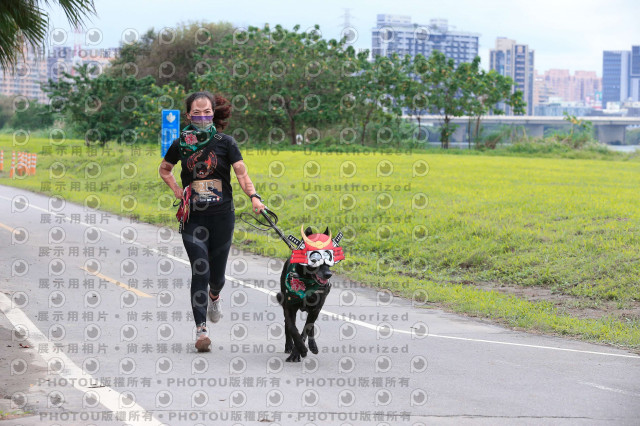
[(103, 306)]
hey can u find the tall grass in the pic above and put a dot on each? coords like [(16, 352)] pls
[(422, 225)]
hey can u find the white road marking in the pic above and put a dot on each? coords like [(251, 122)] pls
[(357, 322), (468, 339), (624, 392), (109, 397), (7, 227)]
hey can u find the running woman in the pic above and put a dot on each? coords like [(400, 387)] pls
[(207, 156)]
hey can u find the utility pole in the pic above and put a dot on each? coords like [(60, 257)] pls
[(347, 30)]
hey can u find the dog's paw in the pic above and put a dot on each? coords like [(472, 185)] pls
[(287, 348), (294, 357), (303, 353), (313, 347)]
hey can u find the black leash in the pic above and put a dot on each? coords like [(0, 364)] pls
[(272, 220)]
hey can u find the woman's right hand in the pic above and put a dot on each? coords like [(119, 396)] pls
[(178, 193)]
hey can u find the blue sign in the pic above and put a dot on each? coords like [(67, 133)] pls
[(170, 128)]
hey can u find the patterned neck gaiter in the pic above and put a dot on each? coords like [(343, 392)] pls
[(193, 139)]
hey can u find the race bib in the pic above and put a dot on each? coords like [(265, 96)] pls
[(206, 192)]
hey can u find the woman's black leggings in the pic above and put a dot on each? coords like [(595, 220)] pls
[(207, 240)]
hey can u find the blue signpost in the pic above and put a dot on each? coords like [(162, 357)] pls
[(170, 128)]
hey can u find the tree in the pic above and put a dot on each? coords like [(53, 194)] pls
[(583, 135), (414, 90), (488, 91), (168, 55), (35, 116), (448, 90), (6, 110), (463, 90), (148, 116), (25, 22), (373, 89), (99, 108), (276, 76)]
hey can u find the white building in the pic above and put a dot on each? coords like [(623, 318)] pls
[(397, 34)]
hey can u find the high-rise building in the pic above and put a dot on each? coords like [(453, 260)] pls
[(621, 75), (65, 59), (582, 86), (615, 76), (542, 91), (586, 87), (397, 34), (59, 60), (516, 61), (36, 67), (634, 74), (24, 80)]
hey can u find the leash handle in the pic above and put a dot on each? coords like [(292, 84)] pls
[(264, 214), (273, 225), (272, 220)]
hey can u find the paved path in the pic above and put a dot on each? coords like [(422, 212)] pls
[(103, 305)]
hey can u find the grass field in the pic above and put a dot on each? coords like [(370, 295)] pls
[(535, 243)]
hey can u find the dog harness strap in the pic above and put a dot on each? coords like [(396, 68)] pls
[(299, 287)]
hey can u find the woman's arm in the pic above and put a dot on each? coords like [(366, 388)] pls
[(165, 173), (247, 186)]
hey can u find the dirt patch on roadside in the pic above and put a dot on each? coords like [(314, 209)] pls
[(578, 307), (16, 387)]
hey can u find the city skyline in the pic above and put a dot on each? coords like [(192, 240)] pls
[(564, 36)]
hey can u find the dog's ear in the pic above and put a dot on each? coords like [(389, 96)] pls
[(326, 231), (308, 231)]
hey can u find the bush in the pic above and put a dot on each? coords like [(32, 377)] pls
[(633, 137), (35, 116), (491, 139)]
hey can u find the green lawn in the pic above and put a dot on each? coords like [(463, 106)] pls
[(566, 225)]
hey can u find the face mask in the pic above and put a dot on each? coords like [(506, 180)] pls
[(202, 122)]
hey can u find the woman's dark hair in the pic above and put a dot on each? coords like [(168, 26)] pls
[(221, 107)]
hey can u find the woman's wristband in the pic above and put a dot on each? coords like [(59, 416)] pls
[(255, 195)]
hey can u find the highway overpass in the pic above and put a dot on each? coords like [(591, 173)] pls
[(608, 129)]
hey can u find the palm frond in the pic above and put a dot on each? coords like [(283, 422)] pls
[(76, 10), (20, 22), (24, 22)]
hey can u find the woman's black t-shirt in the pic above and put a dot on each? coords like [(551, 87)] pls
[(211, 165)]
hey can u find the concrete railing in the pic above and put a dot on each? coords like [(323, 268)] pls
[(608, 129)]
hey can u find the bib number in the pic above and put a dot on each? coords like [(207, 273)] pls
[(206, 192)]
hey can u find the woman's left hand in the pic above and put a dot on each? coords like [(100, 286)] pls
[(257, 205)]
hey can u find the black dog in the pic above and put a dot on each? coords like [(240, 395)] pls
[(304, 286)]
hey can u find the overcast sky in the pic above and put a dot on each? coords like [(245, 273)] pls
[(565, 34)]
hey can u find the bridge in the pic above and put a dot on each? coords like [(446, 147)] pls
[(608, 129)]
